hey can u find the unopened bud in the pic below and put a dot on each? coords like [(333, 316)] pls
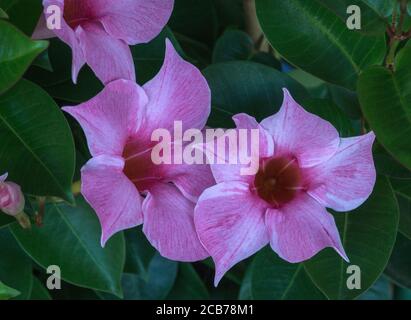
[(11, 197)]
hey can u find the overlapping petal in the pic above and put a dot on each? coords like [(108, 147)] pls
[(299, 133), (301, 228), (347, 179), (230, 223), (112, 195), (110, 118), (169, 224)]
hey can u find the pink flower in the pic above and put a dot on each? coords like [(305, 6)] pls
[(99, 32), (309, 169), (11, 197), (121, 182)]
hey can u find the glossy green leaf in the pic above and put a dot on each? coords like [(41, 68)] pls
[(242, 86), (161, 276), (314, 38), (385, 99), (24, 14), (139, 252), (15, 265), (37, 147), (39, 291), (381, 290), (188, 285), (7, 292), (70, 238), (368, 236), (372, 20), (398, 268), (275, 279), (17, 55), (233, 45)]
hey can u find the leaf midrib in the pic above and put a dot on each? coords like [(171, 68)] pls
[(32, 153)]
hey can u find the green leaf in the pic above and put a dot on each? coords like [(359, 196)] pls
[(17, 55), (372, 21), (398, 268), (5, 220), (242, 86), (314, 38), (275, 279), (39, 292), (24, 14), (196, 19), (139, 252), (188, 285), (15, 265), (381, 290), (70, 239), (37, 147), (381, 93), (368, 236), (400, 179), (161, 276), (7, 292), (3, 15), (233, 45)]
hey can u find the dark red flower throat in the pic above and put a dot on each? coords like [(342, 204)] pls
[(278, 180)]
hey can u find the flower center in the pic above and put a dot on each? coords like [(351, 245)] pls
[(278, 180), (139, 167), (76, 12)]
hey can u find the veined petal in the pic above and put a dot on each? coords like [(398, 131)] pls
[(347, 179), (110, 118), (304, 135), (230, 171), (68, 35), (134, 21), (111, 194), (230, 223), (301, 228), (179, 92), (169, 224), (109, 58)]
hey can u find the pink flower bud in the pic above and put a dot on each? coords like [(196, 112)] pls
[(11, 197)]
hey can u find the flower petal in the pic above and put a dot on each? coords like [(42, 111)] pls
[(304, 135), (134, 21), (230, 223), (235, 171), (42, 31), (67, 34), (347, 179), (301, 228), (111, 117), (179, 92), (4, 176), (111, 194), (109, 58), (169, 224)]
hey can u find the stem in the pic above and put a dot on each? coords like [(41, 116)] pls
[(253, 26), (396, 33)]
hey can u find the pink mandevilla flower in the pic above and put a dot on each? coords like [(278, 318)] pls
[(304, 167), (11, 197), (99, 32), (121, 182)]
